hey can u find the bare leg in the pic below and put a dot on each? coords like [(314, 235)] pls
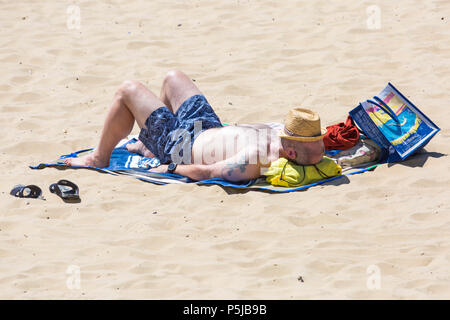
[(176, 88), (132, 101)]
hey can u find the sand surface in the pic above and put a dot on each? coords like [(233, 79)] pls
[(254, 60)]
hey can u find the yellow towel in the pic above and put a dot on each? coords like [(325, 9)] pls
[(287, 174)]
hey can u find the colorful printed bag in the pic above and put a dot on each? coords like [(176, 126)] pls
[(394, 123)]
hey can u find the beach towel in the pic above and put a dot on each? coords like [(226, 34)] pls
[(124, 163)]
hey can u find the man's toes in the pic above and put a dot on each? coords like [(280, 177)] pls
[(139, 148), (147, 153), (132, 147)]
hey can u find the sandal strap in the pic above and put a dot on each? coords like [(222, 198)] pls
[(58, 188), (18, 191)]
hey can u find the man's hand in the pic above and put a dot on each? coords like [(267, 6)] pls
[(162, 168)]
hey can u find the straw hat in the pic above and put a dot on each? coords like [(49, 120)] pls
[(302, 125)]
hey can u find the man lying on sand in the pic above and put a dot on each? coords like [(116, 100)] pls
[(182, 129)]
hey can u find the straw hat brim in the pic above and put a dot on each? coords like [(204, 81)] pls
[(323, 131)]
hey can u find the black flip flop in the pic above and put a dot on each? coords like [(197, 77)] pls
[(29, 191), (66, 190)]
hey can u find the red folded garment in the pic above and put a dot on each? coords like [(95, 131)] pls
[(341, 136)]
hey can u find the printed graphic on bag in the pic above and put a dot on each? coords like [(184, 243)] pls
[(409, 122)]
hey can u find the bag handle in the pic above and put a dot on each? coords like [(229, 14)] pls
[(385, 108)]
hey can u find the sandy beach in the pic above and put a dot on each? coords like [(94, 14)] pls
[(61, 63)]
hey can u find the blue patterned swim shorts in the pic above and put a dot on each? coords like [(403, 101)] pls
[(170, 136)]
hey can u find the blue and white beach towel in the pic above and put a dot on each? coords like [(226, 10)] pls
[(123, 162)]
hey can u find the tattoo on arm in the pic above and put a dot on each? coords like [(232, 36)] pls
[(230, 167)]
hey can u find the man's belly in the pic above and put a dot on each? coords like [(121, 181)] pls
[(222, 143), (211, 145)]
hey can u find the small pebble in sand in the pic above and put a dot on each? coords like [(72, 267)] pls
[(179, 25), (154, 212)]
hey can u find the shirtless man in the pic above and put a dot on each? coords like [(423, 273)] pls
[(181, 127)]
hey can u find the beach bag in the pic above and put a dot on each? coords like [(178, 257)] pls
[(394, 123)]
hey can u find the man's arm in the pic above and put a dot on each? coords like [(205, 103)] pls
[(234, 169)]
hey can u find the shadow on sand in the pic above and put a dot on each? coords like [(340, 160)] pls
[(337, 182), (419, 159)]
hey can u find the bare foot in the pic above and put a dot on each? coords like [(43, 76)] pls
[(89, 160), (139, 148)]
